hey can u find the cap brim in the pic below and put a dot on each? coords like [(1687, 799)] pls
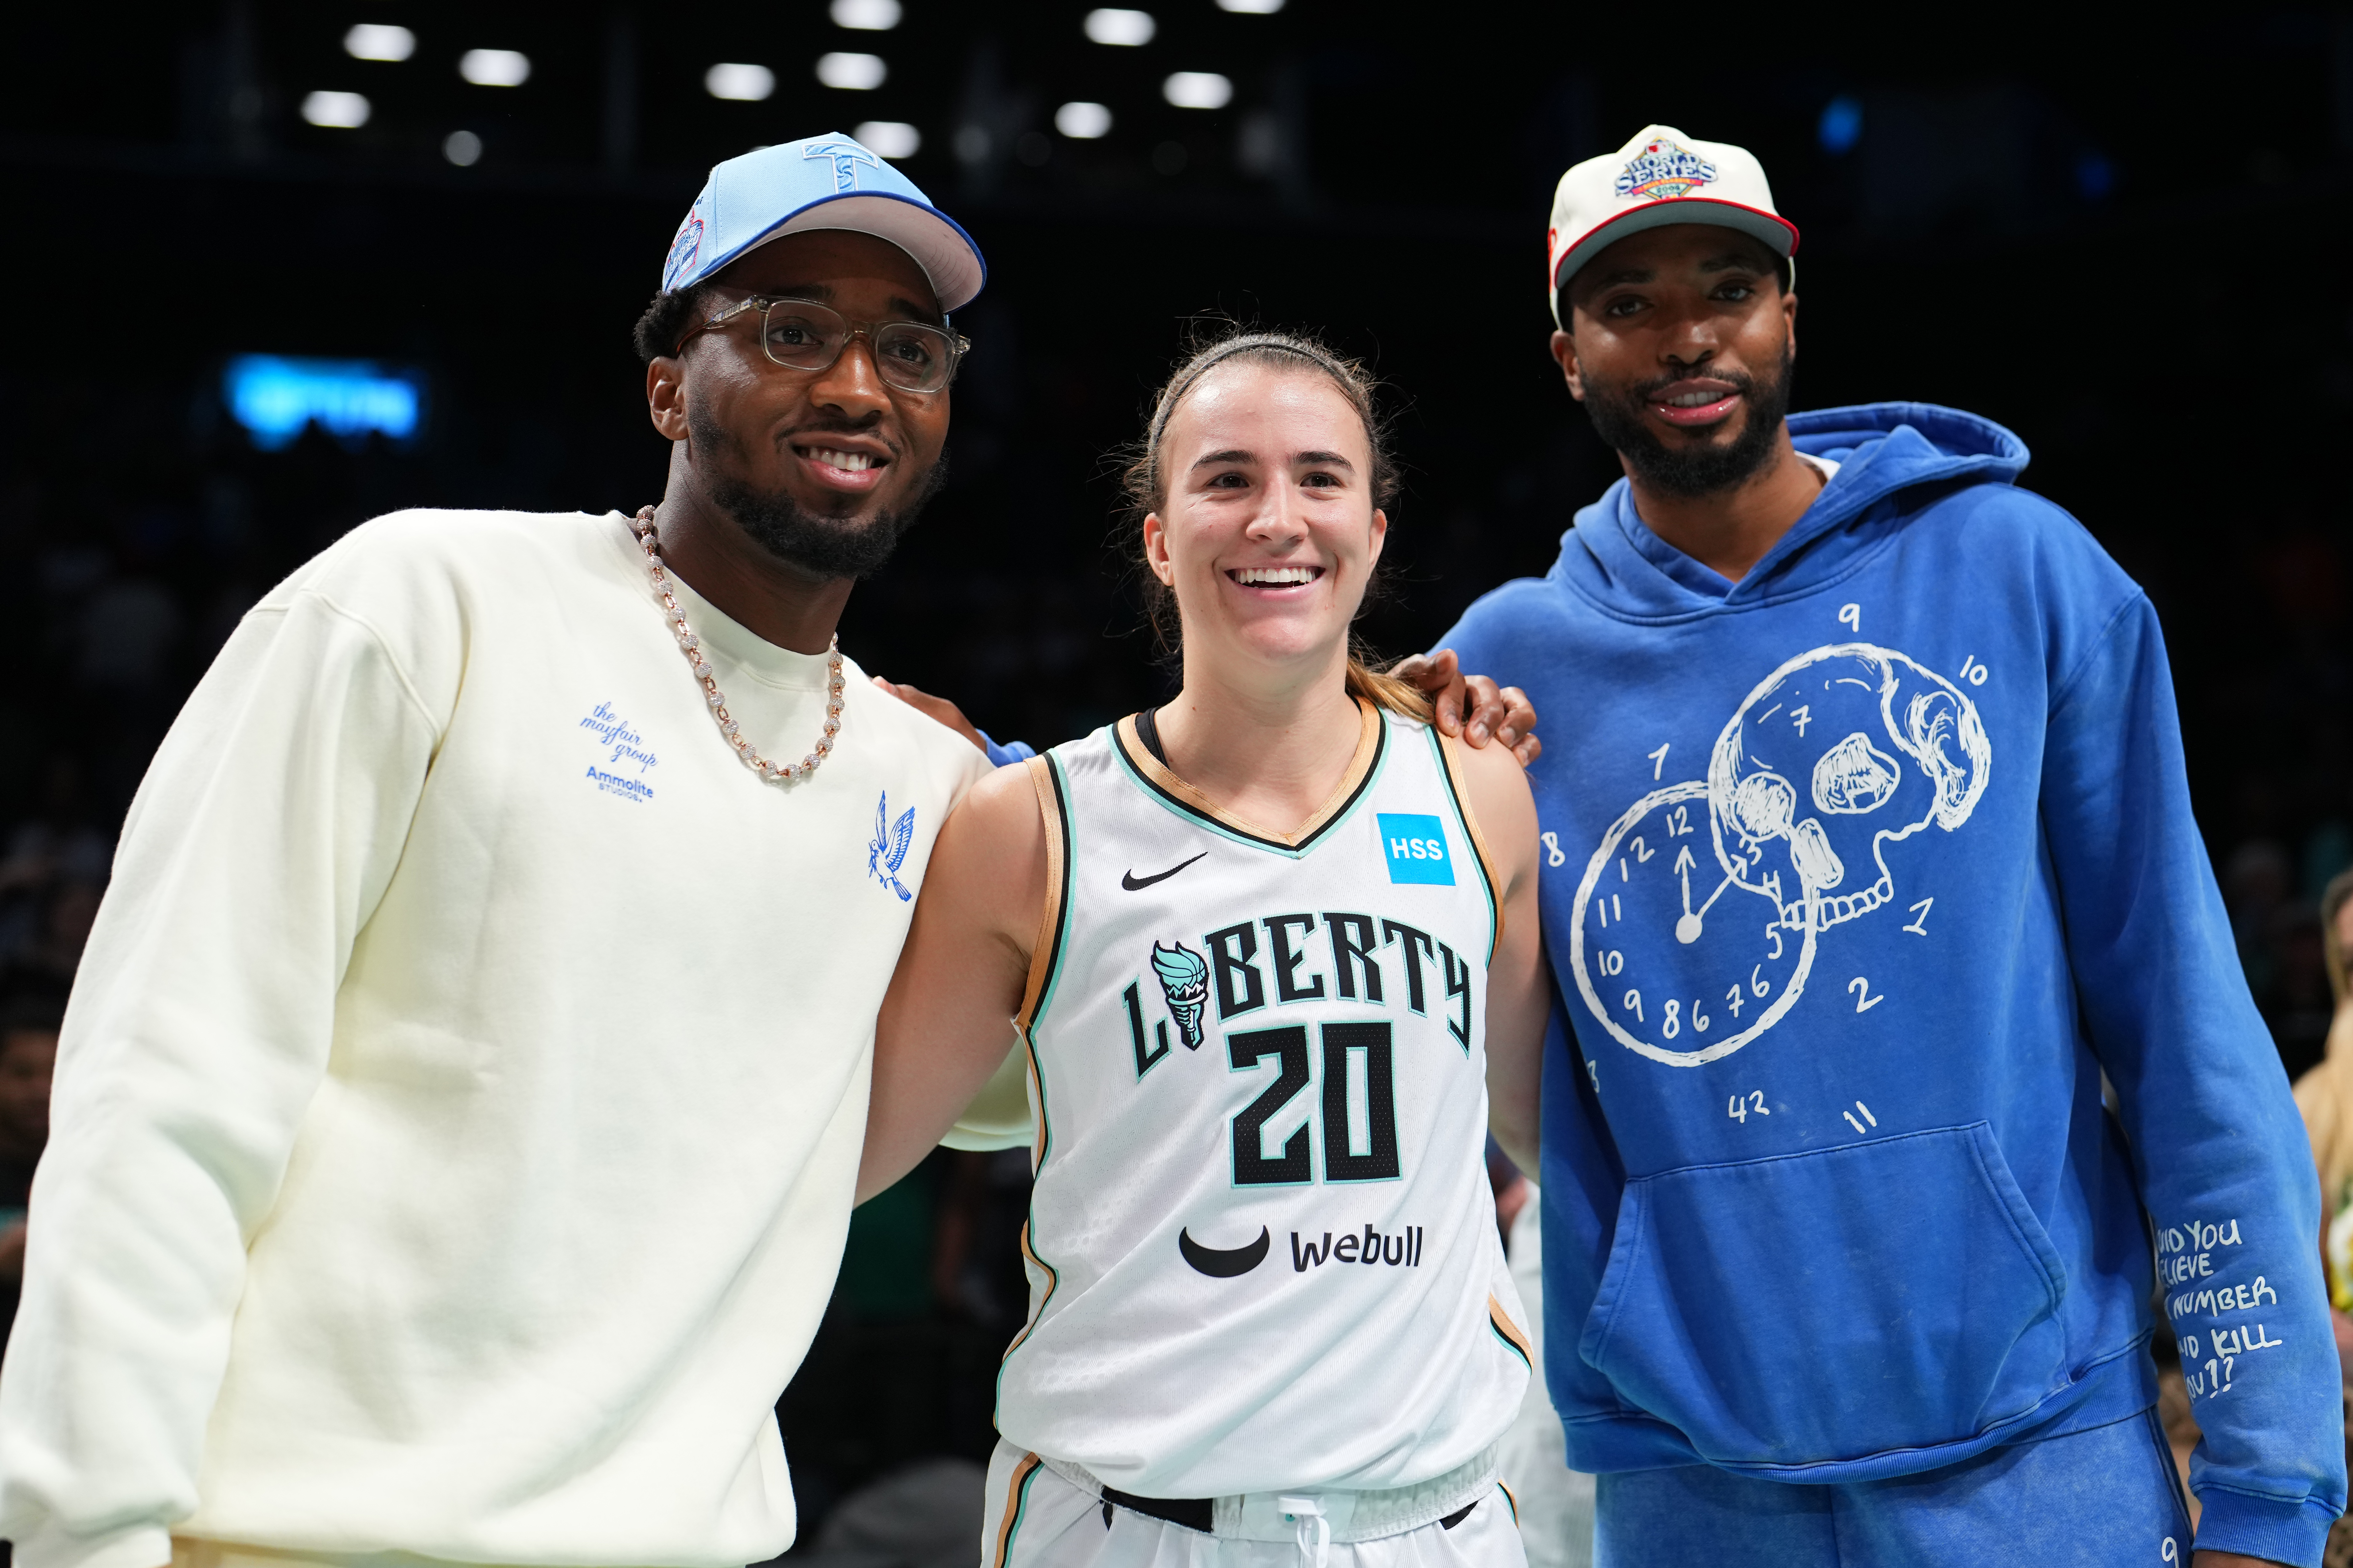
[(937, 243), (1776, 232)]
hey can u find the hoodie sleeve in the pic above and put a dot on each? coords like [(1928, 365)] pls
[(2220, 1153)]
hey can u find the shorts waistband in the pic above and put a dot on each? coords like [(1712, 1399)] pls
[(1354, 1516)]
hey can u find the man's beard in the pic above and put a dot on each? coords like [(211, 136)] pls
[(823, 547), (1621, 418)]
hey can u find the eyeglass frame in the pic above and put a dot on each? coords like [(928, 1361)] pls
[(958, 344)]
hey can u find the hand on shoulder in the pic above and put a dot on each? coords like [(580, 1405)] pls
[(935, 708), (1473, 707)]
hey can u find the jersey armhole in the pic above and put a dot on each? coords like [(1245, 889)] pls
[(1054, 914), (1446, 755)]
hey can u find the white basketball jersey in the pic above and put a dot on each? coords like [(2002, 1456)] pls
[(1262, 1249)]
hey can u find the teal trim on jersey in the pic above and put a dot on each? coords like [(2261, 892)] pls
[(1505, 1340), (1021, 1513), (1063, 912), (1038, 1066), (1469, 845), (1030, 1226), (1499, 1486), (1179, 808)]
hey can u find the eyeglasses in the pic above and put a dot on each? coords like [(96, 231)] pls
[(801, 334)]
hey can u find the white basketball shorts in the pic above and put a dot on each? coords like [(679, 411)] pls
[(1039, 1517)]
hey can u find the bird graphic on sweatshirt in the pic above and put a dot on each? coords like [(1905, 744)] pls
[(888, 851)]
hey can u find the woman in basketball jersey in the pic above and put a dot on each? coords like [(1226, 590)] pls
[(1272, 950)]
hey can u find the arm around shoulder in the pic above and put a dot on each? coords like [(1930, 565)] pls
[(948, 1019)]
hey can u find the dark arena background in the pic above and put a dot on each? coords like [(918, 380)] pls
[(263, 288)]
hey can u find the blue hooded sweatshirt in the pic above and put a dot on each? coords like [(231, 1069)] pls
[(1858, 874)]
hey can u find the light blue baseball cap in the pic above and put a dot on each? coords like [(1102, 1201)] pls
[(825, 181)]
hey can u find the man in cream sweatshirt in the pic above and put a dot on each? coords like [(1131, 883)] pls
[(457, 1119), (457, 1115)]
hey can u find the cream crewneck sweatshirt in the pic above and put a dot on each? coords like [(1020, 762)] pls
[(457, 1112)]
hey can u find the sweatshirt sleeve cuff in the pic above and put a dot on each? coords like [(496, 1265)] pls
[(143, 1546), (2269, 1528)]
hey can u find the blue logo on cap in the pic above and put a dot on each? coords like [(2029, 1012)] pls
[(767, 192), (845, 157), (1416, 847)]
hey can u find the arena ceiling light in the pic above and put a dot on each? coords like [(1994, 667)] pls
[(1197, 89), (743, 82), (866, 16), (890, 138), (1082, 121), (379, 41), (495, 67), (336, 110), (1122, 29), (462, 148), (1251, 7), (851, 73)]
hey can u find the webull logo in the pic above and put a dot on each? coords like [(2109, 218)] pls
[(1396, 1249)]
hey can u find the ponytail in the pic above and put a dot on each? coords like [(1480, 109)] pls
[(1369, 685)]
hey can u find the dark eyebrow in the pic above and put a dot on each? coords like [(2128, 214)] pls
[(1236, 455), (1729, 262)]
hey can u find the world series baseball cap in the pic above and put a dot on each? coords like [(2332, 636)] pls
[(825, 181), (1662, 176)]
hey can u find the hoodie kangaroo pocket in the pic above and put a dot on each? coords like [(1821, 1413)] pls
[(1809, 1308)]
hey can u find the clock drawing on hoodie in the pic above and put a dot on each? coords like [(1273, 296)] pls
[(1699, 916)]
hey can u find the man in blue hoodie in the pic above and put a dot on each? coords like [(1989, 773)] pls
[(1869, 853)]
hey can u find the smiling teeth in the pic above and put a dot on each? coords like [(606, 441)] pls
[(1696, 399), (1276, 576), (855, 462)]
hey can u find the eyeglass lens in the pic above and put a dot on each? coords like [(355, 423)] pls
[(910, 355)]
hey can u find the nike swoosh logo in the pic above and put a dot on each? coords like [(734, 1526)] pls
[(1135, 884), (1219, 1263)]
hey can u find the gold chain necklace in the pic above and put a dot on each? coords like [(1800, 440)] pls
[(691, 646)]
